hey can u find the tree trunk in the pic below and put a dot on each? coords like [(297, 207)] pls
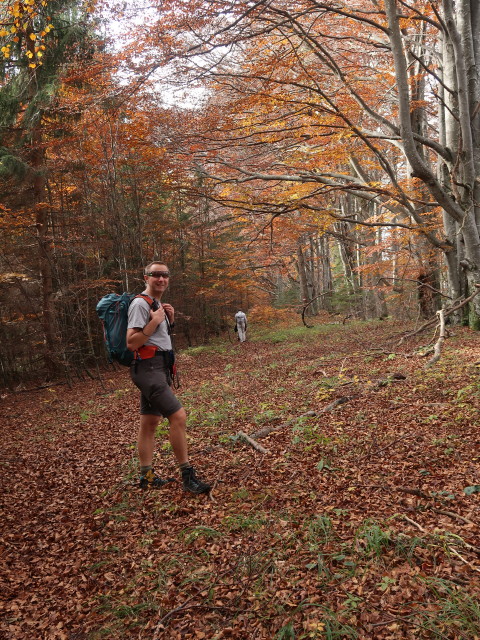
[(458, 202), (323, 245), (302, 274), (45, 252)]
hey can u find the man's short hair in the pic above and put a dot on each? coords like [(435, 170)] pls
[(150, 265)]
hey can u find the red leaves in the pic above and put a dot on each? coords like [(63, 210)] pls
[(84, 551)]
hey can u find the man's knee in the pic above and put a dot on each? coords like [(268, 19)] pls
[(178, 419), (149, 422)]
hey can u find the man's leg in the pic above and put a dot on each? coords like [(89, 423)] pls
[(241, 332), (178, 439), (146, 439), (145, 446), (178, 435)]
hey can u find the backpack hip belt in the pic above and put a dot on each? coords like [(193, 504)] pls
[(145, 352)]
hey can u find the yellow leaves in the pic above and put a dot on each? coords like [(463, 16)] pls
[(314, 626), (18, 26), (418, 104)]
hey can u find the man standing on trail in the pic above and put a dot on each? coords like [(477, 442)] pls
[(241, 320), (148, 336)]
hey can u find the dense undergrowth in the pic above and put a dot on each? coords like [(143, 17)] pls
[(359, 522)]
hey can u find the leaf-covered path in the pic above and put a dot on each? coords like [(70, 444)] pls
[(362, 522)]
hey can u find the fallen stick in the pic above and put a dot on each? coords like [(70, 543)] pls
[(251, 442), (209, 495), (415, 524), (452, 514), (336, 403), (424, 496), (473, 567), (390, 444), (261, 433), (391, 378)]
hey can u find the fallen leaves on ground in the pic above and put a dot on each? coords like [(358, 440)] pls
[(356, 523)]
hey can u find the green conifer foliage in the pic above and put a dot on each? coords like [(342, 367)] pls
[(37, 52)]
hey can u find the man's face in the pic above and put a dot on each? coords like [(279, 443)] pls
[(157, 278)]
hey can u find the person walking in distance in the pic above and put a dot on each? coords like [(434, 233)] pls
[(241, 321), (148, 336)]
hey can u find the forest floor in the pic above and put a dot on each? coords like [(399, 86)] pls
[(358, 522)]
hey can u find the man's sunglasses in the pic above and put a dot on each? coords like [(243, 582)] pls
[(158, 274)]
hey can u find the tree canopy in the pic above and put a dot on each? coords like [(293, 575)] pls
[(316, 155)]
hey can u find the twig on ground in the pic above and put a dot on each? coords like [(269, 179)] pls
[(424, 496), (473, 567), (337, 403), (387, 446), (394, 377), (252, 442), (158, 628), (261, 433), (412, 492), (210, 497), (415, 524), (451, 514)]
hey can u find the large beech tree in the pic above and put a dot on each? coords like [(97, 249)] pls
[(376, 100)]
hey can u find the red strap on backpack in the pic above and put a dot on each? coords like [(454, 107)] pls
[(145, 297), (145, 352)]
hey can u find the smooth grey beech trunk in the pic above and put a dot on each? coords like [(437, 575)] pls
[(415, 147), (455, 186)]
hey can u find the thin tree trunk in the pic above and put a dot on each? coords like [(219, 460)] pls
[(302, 273)]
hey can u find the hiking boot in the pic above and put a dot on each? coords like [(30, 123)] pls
[(152, 481), (192, 483)]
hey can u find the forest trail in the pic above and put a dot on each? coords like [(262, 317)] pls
[(362, 522)]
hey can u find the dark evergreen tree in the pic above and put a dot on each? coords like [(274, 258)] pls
[(37, 50)]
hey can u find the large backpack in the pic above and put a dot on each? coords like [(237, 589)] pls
[(112, 310)]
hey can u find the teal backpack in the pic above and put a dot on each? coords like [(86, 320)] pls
[(112, 310)]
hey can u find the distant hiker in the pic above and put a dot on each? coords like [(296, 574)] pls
[(241, 325), (148, 336)]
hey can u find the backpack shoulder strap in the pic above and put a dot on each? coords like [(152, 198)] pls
[(151, 302), (145, 297)]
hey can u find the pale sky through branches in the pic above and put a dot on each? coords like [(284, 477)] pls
[(128, 28)]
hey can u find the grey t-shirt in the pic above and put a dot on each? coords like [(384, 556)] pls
[(139, 316), (241, 318)]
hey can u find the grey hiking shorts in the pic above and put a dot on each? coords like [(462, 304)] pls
[(152, 378)]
